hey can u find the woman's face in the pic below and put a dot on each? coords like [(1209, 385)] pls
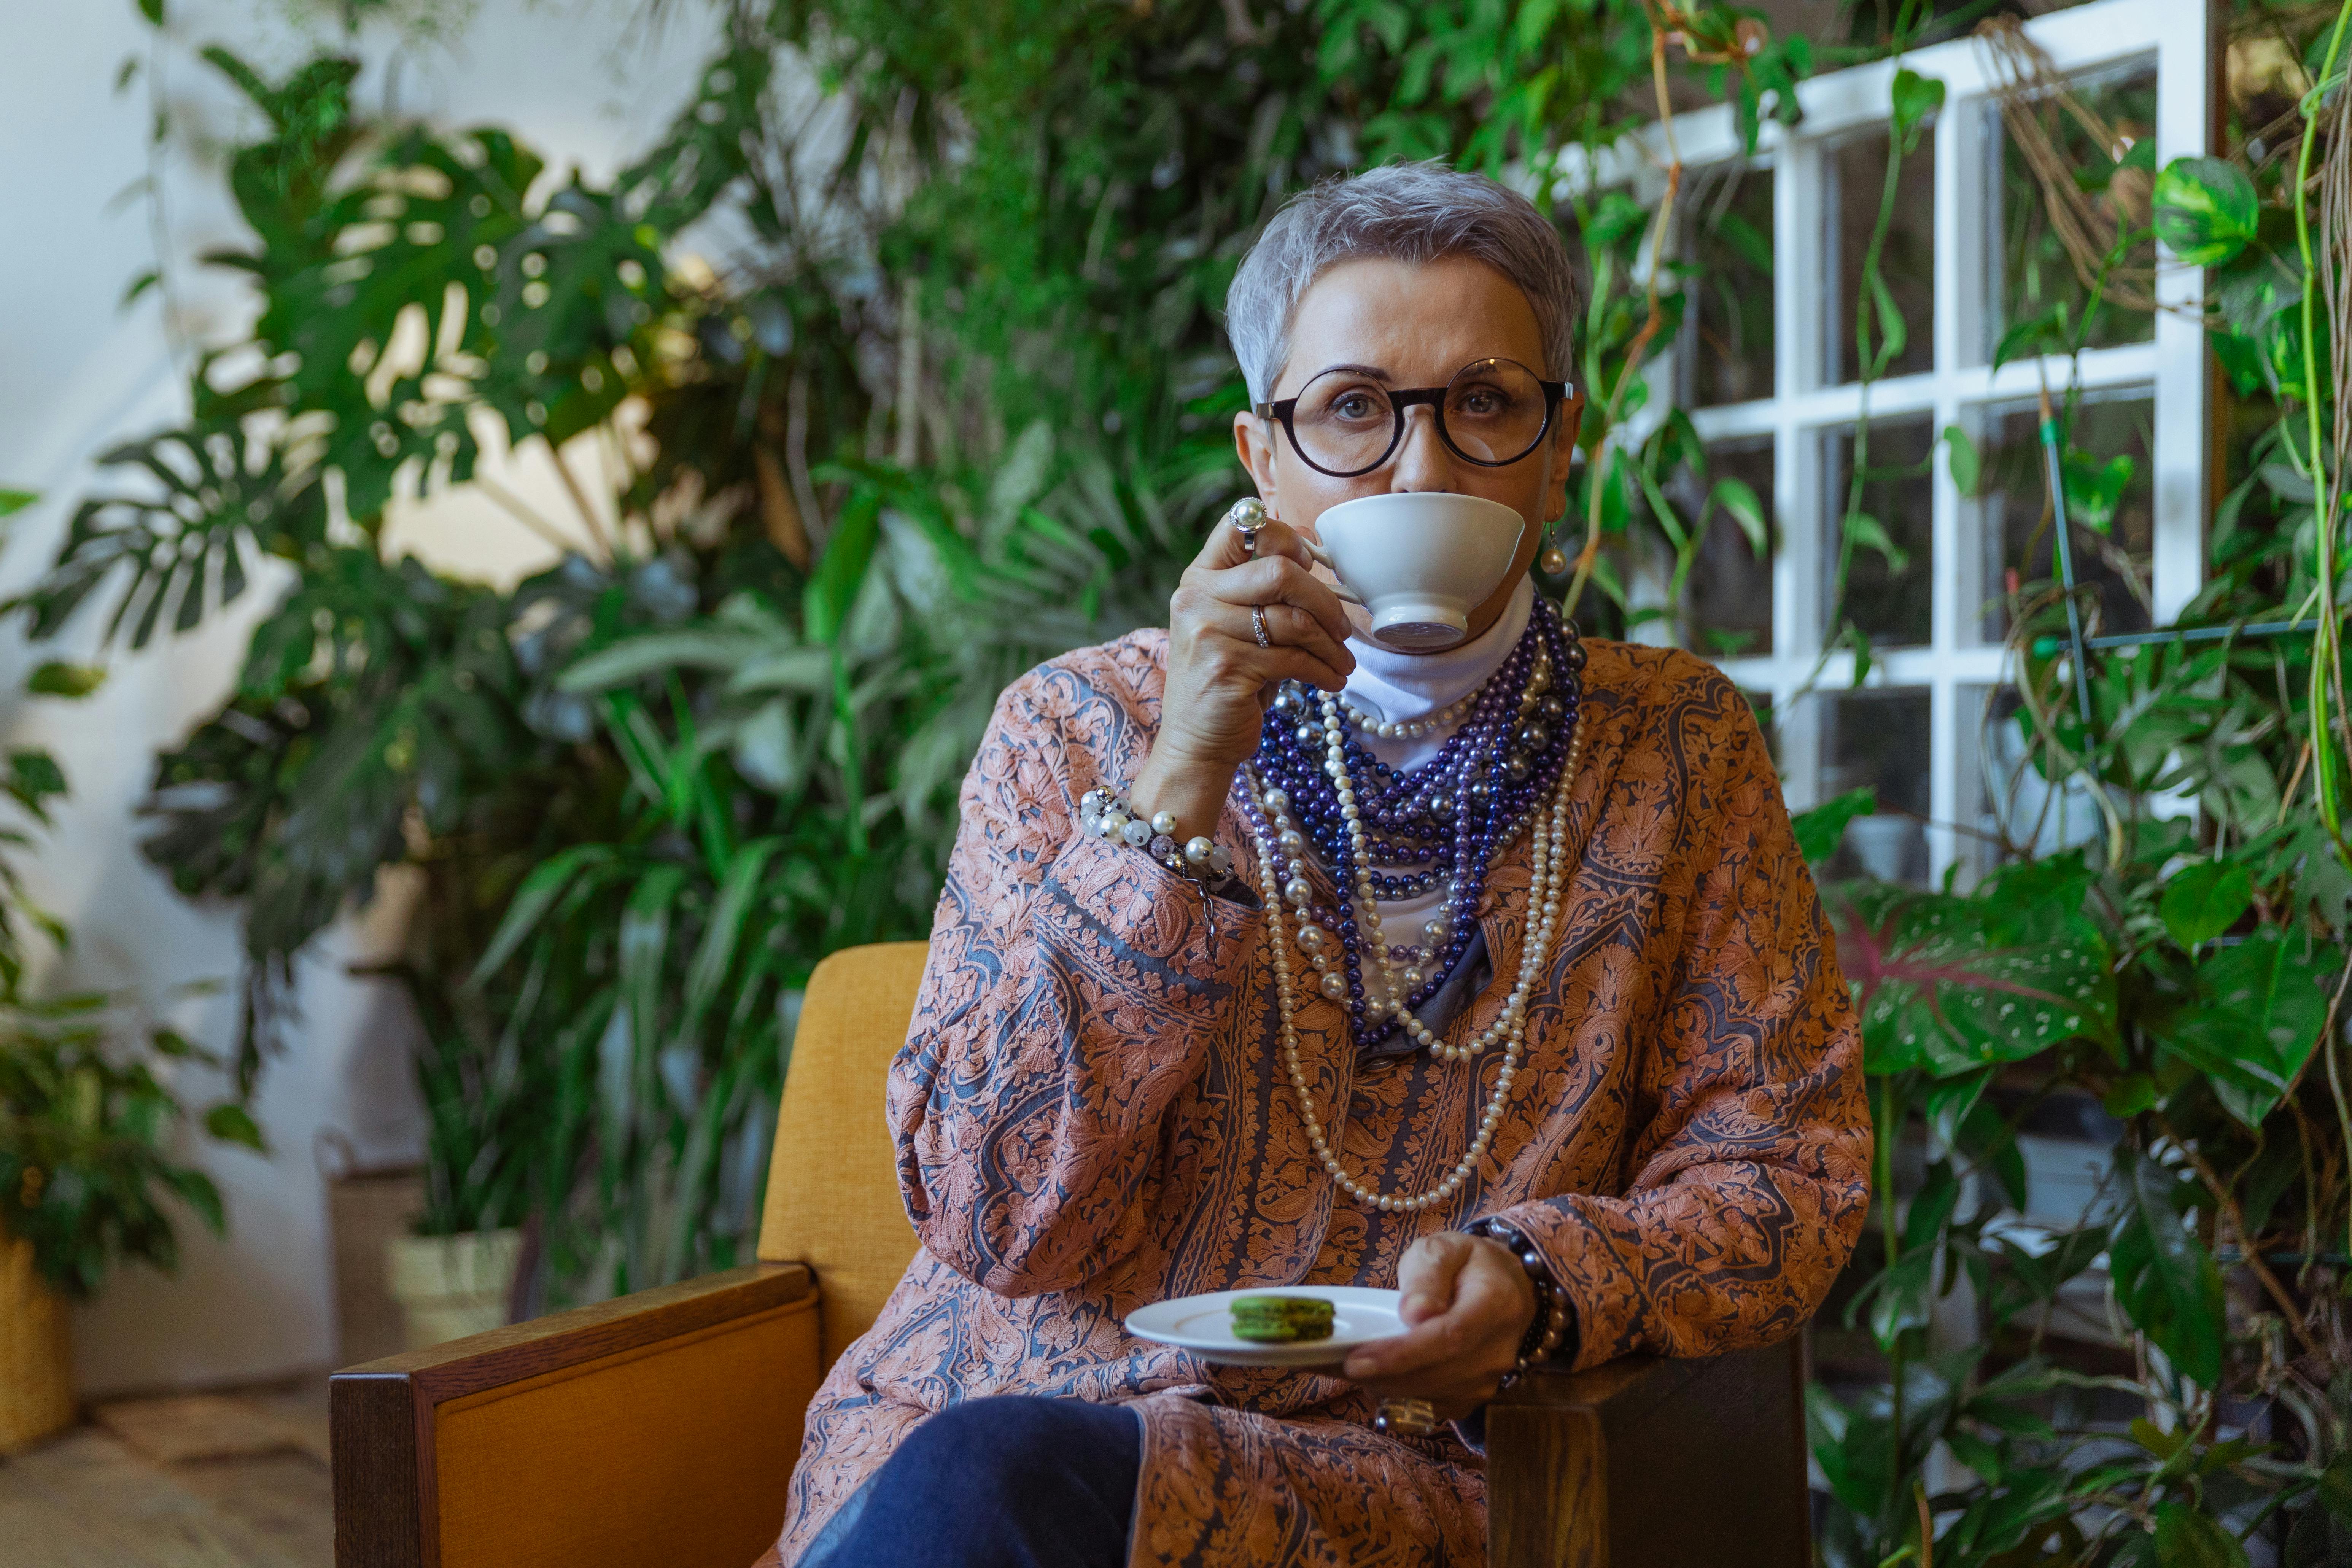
[(1415, 326)]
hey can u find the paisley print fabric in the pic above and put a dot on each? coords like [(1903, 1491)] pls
[(1090, 1115)]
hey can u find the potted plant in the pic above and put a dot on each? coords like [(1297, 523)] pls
[(467, 1259), (87, 1178), (459, 1269), (87, 1127)]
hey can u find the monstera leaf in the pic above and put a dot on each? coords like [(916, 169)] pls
[(406, 290), (1951, 983), (177, 537), (421, 234), (2258, 1012)]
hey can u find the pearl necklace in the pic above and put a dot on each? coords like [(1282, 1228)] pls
[(1436, 724), (1547, 862)]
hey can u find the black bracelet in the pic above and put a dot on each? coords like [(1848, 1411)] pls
[(1551, 1328)]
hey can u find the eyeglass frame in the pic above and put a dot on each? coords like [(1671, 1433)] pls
[(1401, 398)]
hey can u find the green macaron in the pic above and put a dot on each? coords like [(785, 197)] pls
[(1281, 1319)]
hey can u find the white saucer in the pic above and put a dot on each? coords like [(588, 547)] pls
[(1205, 1325)]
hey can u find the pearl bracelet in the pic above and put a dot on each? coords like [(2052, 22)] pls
[(1550, 1328), (1198, 859)]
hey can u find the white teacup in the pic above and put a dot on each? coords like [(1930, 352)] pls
[(1420, 561)]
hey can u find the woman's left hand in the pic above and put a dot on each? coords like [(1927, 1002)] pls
[(1466, 1306)]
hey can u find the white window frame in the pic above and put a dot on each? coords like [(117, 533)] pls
[(2174, 36)]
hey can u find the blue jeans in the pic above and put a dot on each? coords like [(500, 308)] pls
[(1010, 1481)]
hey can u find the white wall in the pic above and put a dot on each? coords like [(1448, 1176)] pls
[(585, 86)]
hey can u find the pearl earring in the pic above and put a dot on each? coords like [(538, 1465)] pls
[(1554, 559)]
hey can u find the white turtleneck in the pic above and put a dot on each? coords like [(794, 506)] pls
[(1399, 687)]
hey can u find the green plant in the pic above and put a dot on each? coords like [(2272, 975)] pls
[(88, 1166), (2182, 975), (962, 402), (86, 1130), (717, 743)]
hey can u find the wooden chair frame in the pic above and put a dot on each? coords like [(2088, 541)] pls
[(1638, 1464)]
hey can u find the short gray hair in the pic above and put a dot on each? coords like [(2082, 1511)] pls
[(1414, 213)]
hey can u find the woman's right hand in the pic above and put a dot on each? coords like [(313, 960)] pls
[(1220, 681)]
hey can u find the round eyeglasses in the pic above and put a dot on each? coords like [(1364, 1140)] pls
[(1347, 421)]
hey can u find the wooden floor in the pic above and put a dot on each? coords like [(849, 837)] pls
[(90, 1499)]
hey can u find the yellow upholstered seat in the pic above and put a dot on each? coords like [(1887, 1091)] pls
[(833, 1186)]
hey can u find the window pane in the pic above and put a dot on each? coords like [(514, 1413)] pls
[(2088, 125), (1855, 175), (1727, 331), (2112, 508), (1887, 588), (1879, 739), (1730, 587)]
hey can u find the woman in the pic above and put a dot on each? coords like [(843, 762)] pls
[(1185, 1056)]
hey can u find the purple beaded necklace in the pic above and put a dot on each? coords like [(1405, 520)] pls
[(1440, 823)]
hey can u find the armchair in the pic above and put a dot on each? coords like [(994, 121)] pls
[(659, 1429)]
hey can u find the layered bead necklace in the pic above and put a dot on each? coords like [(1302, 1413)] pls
[(1313, 786), (1405, 834)]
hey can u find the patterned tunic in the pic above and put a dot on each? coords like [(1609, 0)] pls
[(1091, 1114)]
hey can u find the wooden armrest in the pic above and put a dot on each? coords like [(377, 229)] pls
[(660, 1427), (1653, 1463)]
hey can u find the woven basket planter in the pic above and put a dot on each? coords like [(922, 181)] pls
[(365, 1209), (37, 1394)]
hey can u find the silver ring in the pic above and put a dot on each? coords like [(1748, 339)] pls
[(1247, 515), (1405, 1418), (1258, 625)]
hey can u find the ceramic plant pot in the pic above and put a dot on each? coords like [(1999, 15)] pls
[(37, 1395), (1892, 848), (452, 1286)]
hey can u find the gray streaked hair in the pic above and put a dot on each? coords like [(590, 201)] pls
[(1414, 213)]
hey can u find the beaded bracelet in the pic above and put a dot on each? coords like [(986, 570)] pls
[(1198, 859), (1550, 1327)]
